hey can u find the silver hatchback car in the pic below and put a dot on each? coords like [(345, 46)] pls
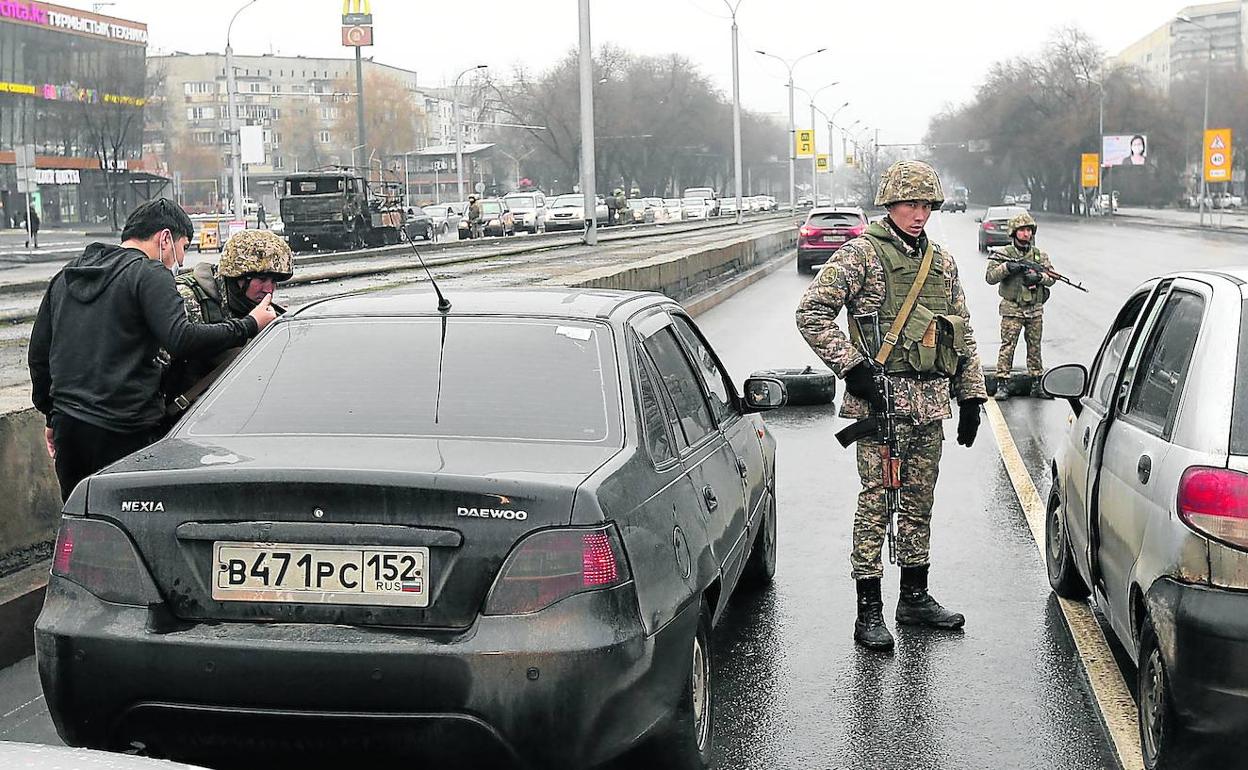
[(1148, 509)]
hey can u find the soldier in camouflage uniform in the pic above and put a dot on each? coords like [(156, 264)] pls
[(1023, 294), (934, 360), (252, 263)]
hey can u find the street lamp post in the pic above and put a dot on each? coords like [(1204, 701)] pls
[(459, 130), (589, 182), (792, 129), (814, 155), (236, 158), (736, 111), (1205, 124)]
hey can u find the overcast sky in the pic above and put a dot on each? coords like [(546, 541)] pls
[(898, 61)]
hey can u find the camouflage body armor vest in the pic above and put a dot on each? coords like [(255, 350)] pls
[(933, 340), (1012, 287), (210, 306)]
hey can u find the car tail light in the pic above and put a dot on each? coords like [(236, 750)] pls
[(554, 564), (857, 230), (989, 226), (1214, 502), (100, 557), (806, 231)]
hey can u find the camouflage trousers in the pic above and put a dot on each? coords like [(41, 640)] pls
[(1010, 328), (920, 447)]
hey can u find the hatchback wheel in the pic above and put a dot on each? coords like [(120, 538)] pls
[(1059, 561), (687, 741), (1162, 737)]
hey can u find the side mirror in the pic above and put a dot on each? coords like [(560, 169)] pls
[(1068, 381), (979, 219), (764, 393)]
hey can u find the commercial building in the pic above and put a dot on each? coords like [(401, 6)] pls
[(305, 110), (1177, 50), (73, 84)]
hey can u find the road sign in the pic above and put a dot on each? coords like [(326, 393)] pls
[(1090, 169), (805, 142), (849, 160), (1218, 155), (821, 164)]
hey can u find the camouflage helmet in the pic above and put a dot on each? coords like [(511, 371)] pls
[(256, 251), (1019, 221), (910, 180)]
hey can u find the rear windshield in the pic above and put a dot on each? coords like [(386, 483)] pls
[(1002, 212), (835, 219), (316, 186), (506, 379), (490, 207), (1239, 416)]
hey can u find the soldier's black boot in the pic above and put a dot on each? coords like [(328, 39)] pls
[(916, 607), (1003, 388), (869, 628)]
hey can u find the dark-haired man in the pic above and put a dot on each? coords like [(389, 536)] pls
[(94, 349)]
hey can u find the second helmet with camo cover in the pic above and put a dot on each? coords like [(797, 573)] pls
[(256, 251), (910, 180), (1019, 221)]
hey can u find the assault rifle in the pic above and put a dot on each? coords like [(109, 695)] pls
[(882, 424), (997, 256)]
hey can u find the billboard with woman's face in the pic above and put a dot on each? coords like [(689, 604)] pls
[(1124, 150)]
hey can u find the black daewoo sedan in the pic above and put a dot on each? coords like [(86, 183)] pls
[(389, 531)]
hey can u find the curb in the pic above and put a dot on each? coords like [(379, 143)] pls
[(1140, 221), (21, 594)]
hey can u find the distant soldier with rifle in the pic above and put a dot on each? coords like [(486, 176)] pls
[(1023, 274), (910, 351)]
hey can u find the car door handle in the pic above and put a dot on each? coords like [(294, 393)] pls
[(708, 494), (1087, 436), (742, 468), (1144, 468)]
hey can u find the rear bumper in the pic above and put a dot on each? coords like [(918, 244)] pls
[(1203, 634), (508, 687), (818, 255), (993, 238)]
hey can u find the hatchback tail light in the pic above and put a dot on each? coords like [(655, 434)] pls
[(554, 564), (806, 231), (99, 557), (1214, 502), (857, 230), (989, 226)]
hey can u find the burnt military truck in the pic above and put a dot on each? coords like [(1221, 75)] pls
[(337, 208)]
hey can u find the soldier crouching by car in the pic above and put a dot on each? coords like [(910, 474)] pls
[(893, 279), (252, 263)]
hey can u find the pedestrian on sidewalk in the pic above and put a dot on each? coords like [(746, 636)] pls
[(901, 289), (1023, 291), (261, 221), (32, 218), (93, 356)]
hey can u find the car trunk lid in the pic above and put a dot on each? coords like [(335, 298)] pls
[(460, 504)]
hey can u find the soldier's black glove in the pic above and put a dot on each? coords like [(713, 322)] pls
[(1031, 278), (860, 382), (1014, 268), (968, 421)]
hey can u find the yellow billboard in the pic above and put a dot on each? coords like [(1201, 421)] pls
[(1090, 169)]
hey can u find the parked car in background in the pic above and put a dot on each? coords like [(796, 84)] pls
[(1148, 507), (639, 211), (529, 210), (419, 224), (660, 210), (497, 218), (447, 216), (1226, 200), (1024, 198), (994, 226), (706, 193), (430, 557), (824, 231), (674, 208), (728, 207), (1105, 201), (565, 212), (1008, 200), (953, 205), (695, 208), (823, 201), (756, 203)]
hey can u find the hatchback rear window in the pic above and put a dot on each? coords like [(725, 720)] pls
[(834, 219), (506, 379), (1239, 415)]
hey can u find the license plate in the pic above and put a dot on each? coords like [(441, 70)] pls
[(833, 239), (320, 574)]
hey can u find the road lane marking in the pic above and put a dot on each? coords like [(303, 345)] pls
[(35, 699), (1114, 700)]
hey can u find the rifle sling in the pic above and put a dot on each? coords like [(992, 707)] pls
[(912, 296)]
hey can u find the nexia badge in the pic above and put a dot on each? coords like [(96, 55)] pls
[(492, 513), (142, 506)]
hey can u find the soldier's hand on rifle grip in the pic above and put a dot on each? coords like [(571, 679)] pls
[(968, 421), (860, 382), (1014, 267)]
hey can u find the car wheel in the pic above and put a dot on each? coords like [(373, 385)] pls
[(761, 567), (686, 742), (1060, 562), (983, 247), (1163, 739), (807, 386)]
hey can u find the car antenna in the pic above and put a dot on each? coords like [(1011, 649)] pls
[(444, 304)]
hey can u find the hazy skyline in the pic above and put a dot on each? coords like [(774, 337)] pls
[(898, 62)]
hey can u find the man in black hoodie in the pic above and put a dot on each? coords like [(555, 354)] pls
[(94, 348)]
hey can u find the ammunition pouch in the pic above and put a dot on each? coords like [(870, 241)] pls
[(929, 343)]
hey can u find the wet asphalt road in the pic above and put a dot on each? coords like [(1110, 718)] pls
[(792, 689)]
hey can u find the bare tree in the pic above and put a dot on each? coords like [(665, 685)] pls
[(112, 121)]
